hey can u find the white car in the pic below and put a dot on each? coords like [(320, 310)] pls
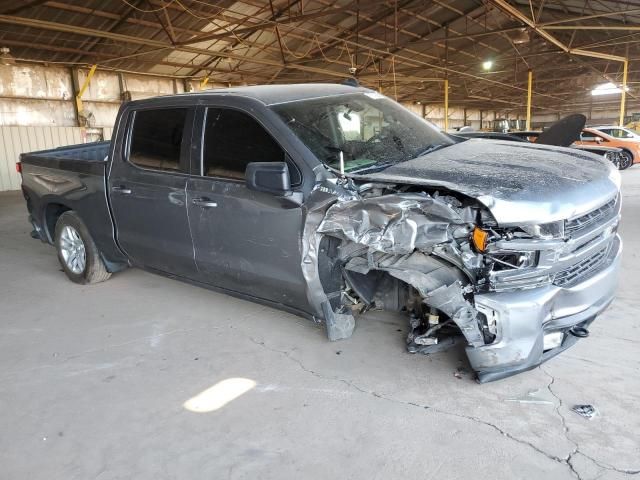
[(622, 133)]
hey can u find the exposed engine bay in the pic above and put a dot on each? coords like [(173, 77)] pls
[(432, 254), (401, 248)]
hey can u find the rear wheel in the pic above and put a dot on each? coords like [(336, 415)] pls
[(626, 160), (77, 253)]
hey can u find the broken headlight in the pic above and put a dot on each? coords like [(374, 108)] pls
[(513, 260), (545, 231)]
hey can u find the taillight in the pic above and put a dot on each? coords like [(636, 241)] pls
[(19, 167)]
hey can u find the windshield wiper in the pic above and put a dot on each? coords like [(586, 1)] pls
[(431, 148), (373, 168)]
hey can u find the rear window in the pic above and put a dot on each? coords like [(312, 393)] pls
[(619, 133), (156, 138)]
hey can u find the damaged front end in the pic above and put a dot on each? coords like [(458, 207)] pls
[(442, 258)]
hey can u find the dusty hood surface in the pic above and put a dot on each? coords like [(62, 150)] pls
[(520, 183)]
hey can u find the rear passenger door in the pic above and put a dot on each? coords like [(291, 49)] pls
[(245, 241), (147, 184)]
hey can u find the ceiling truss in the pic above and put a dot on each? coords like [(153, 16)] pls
[(406, 48)]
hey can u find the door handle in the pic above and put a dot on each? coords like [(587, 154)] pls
[(122, 190), (204, 202)]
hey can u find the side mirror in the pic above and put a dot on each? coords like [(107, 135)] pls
[(270, 177), (599, 139)]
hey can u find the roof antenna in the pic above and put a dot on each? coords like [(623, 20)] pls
[(341, 163)]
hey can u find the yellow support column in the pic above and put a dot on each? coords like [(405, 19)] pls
[(623, 97), (446, 104), (84, 87), (529, 83)]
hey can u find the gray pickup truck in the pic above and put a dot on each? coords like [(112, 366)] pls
[(331, 200)]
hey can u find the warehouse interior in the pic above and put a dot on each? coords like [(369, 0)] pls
[(481, 51), (112, 380)]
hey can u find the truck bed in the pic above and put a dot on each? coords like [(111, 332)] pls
[(88, 152), (70, 178)]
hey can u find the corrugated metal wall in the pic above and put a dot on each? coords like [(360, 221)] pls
[(38, 95), (37, 108), (15, 140)]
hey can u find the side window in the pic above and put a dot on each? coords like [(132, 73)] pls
[(620, 133), (587, 137), (156, 138), (613, 133), (232, 140)]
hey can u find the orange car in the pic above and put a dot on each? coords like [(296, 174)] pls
[(629, 146)]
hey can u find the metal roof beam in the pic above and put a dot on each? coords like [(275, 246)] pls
[(262, 26), (61, 27), (518, 15)]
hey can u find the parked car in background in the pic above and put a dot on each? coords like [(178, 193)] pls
[(630, 146), (505, 125), (617, 132), (562, 133), (614, 154)]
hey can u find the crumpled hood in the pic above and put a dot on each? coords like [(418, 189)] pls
[(519, 183)]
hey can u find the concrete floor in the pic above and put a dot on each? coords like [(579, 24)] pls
[(99, 382)]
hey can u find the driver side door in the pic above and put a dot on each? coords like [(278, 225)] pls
[(244, 241)]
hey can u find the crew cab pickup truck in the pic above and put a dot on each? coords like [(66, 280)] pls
[(331, 200)]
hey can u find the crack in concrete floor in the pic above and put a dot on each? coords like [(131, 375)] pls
[(576, 449), (567, 460)]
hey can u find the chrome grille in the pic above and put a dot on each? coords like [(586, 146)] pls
[(580, 270), (594, 217)]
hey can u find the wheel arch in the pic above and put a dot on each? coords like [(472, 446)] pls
[(633, 157), (51, 214)]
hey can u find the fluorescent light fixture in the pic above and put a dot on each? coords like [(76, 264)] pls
[(607, 89), (487, 64), (5, 57)]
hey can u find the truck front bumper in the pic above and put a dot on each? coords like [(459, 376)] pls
[(525, 317)]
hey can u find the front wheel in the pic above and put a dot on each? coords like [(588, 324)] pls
[(77, 253), (626, 160)]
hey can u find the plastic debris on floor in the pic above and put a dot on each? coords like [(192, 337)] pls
[(531, 397), (586, 411)]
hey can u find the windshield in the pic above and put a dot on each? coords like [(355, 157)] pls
[(371, 131)]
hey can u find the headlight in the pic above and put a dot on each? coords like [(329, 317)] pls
[(513, 260), (545, 231)]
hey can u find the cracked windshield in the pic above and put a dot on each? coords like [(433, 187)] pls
[(371, 131)]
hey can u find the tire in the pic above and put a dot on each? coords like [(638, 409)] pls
[(626, 160), (77, 253)]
